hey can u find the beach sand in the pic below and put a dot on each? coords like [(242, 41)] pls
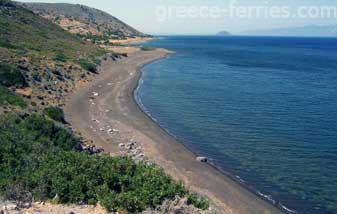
[(113, 107)]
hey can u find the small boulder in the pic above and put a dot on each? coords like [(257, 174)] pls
[(202, 159)]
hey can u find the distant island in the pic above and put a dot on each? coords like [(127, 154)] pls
[(223, 33)]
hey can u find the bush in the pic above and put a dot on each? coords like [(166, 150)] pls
[(87, 65), (60, 57), (22, 197), (9, 98), (200, 203), (55, 113), (115, 56), (146, 48), (6, 44), (40, 156), (10, 76)]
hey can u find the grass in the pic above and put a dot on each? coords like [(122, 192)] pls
[(9, 98)]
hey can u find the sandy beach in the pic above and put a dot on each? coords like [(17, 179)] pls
[(105, 111)]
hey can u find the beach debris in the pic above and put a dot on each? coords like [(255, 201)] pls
[(130, 145), (112, 130), (95, 120), (95, 94), (8, 206), (135, 151), (202, 159), (109, 84), (91, 149), (102, 129)]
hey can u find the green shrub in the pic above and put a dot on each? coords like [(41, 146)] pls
[(10, 76), (146, 48), (9, 98), (87, 65), (61, 57), (55, 113), (200, 203), (115, 56), (6, 44), (40, 156)]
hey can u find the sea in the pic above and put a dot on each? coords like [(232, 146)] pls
[(262, 109)]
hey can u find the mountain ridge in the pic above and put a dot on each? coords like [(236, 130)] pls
[(83, 20)]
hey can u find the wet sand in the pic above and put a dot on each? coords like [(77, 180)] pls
[(113, 107)]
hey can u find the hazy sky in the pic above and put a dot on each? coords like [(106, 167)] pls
[(209, 17)]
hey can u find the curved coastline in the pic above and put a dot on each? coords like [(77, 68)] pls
[(174, 157), (235, 178)]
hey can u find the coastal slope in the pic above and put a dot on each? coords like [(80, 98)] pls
[(115, 107), (41, 158), (83, 20)]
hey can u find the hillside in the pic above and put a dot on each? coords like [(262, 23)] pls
[(46, 58), (83, 20), (41, 157)]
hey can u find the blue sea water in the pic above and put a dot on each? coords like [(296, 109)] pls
[(264, 109)]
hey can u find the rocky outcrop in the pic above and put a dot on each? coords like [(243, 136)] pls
[(178, 206)]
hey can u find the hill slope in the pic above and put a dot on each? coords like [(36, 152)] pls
[(40, 156), (84, 20), (41, 53)]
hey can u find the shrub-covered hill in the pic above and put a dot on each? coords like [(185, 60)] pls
[(80, 19), (39, 53), (39, 160)]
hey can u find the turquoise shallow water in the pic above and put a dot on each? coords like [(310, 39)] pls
[(264, 109)]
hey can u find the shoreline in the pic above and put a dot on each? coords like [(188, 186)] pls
[(116, 106), (235, 178)]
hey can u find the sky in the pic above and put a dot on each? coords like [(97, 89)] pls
[(200, 17)]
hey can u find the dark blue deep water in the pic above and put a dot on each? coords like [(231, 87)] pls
[(263, 109)]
